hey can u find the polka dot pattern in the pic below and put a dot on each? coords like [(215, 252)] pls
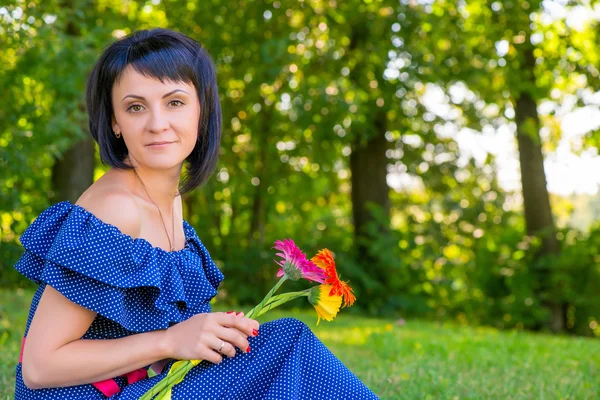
[(136, 287)]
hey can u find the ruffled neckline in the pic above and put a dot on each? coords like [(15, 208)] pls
[(188, 230), (128, 280)]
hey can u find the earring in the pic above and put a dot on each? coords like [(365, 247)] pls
[(118, 135)]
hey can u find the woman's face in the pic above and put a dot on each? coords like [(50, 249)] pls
[(147, 111)]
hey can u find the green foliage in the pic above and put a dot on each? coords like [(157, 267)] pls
[(576, 279), (302, 84), (49, 50), (492, 279)]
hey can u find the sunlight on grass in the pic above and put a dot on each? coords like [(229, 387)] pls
[(414, 360), (352, 336), (447, 361)]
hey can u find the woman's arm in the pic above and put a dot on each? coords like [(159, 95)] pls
[(56, 356)]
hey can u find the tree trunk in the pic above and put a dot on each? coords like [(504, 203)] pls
[(368, 162), (73, 173), (368, 165), (538, 214), (257, 223), (258, 220)]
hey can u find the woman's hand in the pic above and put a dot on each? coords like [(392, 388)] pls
[(199, 337)]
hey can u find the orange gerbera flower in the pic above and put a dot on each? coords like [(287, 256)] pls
[(324, 260)]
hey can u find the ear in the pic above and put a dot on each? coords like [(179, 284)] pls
[(115, 126)]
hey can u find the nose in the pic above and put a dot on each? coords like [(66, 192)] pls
[(158, 122)]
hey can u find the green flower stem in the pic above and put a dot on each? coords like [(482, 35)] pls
[(283, 299), (177, 374), (287, 296), (265, 300), (291, 294), (167, 382)]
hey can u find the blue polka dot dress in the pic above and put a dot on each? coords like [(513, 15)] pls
[(135, 287)]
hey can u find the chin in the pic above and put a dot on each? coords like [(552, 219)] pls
[(163, 162)]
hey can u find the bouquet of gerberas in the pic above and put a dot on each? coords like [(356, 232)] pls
[(325, 297)]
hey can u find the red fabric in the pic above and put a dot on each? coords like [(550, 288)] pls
[(22, 346), (137, 375), (108, 387)]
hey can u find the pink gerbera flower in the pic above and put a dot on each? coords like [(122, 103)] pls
[(294, 263)]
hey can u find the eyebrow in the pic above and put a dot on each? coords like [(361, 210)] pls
[(135, 96)]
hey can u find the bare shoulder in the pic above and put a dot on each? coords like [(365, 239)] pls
[(115, 206)]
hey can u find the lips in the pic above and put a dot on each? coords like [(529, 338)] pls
[(158, 144)]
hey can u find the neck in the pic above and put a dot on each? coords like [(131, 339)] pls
[(161, 185)]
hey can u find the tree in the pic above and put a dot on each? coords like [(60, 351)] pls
[(507, 54)]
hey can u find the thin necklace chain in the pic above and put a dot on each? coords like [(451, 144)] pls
[(161, 216)]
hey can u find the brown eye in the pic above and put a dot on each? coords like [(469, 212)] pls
[(132, 106), (176, 101)]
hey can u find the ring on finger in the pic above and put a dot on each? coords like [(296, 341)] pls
[(221, 347)]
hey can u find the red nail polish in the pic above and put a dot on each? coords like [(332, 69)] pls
[(230, 312), (239, 313), (254, 332), (248, 349)]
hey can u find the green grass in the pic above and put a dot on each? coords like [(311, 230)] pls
[(420, 360)]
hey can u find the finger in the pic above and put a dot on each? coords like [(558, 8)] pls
[(213, 357), (227, 319), (228, 350), (248, 326), (223, 347), (211, 353), (233, 337), (242, 333)]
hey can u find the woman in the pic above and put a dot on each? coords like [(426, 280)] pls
[(125, 282)]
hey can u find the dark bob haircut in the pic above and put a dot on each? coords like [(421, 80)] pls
[(161, 54)]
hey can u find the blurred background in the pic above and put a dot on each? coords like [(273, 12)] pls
[(445, 151)]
